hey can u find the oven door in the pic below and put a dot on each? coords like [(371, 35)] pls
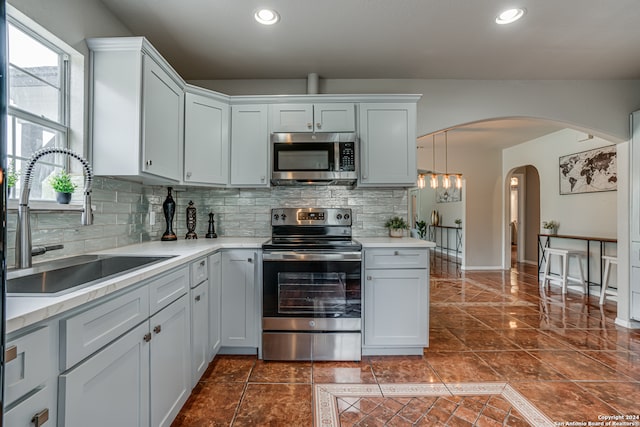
[(311, 291)]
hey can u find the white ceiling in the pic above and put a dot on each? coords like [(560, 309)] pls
[(340, 39), (430, 39)]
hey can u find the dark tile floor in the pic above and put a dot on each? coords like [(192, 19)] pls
[(563, 354)]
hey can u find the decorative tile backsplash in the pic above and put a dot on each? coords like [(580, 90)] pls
[(123, 211)]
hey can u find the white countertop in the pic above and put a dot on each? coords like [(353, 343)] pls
[(22, 311), (394, 242)]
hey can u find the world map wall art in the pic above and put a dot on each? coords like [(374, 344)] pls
[(589, 171)]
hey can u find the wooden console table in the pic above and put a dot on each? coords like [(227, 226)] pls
[(544, 241)]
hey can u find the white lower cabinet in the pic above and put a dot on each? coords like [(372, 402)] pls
[(199, 330), (396, 301), (239, 302), (170, 367), (33, 412), (111, 388), (215, 288)]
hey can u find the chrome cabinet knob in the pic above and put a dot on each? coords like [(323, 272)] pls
[(309, 125)]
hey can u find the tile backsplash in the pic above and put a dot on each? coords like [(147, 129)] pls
[(123, 208)]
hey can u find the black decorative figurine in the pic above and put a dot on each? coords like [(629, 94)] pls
[(211, 233), (191, 221), (169, 209)]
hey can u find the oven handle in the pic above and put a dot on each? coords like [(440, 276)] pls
[(311, 256)]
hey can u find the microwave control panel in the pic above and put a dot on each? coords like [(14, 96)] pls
[(347, 157)]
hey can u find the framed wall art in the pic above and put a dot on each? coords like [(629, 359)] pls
[(444, 195), (589, 171)]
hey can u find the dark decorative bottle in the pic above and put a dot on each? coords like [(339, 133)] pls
[(169, 209), (191, 221), (211, 233)]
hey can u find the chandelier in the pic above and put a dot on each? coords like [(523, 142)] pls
[(437, 179)]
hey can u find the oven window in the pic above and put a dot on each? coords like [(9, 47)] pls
[(329, 289), (303, 160), (303, 293)]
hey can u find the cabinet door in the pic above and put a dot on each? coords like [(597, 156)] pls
[(162, 122), (199, 331), (40, 405), (291, 118), (170, 370), (249, 146), (206, 140), (239, 322), (388, 144), (111, 388), (336, 117), (215, 287), (396, 308)]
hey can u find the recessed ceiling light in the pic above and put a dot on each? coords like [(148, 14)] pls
[(510, 15), (266, 16)]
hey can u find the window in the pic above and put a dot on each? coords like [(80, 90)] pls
[(39, 82)]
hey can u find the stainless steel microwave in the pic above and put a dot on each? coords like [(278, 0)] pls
[(314, 158)]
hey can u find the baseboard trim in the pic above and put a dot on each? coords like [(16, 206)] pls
[(482, 267)]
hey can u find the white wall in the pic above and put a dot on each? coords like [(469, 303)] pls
[(587, 214)]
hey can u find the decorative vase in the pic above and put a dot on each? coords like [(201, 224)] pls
[(63, 198), (211, 232), (169, 209), (191, 221), (435, 218), (396, 232)]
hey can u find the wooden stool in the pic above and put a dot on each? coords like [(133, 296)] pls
[(565, 255), (608, 260)]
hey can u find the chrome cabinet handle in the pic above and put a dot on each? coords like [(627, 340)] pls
[(157, 329), (188, 174), (40, 418), (319, 125), (250, 260), (149, 163), (147, 337), (10, 354), (202, 263), (197, 298), (309, 125), (396, 253), (369, 278)]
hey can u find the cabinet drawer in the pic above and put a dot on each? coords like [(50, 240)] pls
[(26, 363), (635, 254), (38, 407), (87, 332), (199, 272), (164, 290), (396, 258)]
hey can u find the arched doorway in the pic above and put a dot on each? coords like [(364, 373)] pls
[(522, 190)]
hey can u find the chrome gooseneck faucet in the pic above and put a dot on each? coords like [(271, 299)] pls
[(23, 229)]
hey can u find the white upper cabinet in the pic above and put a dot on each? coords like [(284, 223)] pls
[(388, 145), (206, 140), (332, 117), (249, 146), (137, 111)]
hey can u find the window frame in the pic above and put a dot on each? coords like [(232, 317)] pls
[(71, 124)]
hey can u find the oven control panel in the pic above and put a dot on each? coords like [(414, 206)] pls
[(311, 216)]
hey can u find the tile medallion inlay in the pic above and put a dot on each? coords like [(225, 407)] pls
[(329, 400)]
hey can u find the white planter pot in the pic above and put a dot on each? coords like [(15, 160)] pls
[(396, 232)]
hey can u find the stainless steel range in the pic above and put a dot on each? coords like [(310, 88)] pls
[(311, 306)]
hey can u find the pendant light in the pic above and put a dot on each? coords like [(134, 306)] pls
[(434, 176), (446, 181)]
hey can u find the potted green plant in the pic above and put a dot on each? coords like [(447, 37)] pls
[(63, 186), (550, 227), (421, 226), (458, 222), (396, 226), (12, 176)]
